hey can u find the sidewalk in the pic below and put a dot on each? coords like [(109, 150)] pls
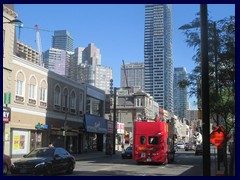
[(87, 155), (94, 155)]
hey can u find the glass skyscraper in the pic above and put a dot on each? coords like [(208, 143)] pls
[(63, 40), (180, 93), (158, 60)]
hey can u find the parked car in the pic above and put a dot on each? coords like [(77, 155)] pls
[(180, 145), (127, 153), (6, 164), (45, 161), (199, 149)]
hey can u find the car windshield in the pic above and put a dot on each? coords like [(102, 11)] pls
[(41, 153)]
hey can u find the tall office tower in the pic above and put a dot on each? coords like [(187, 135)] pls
[(62, 39), (134, 73), (57, 60), (91, 55), (180, 93), (158, 60)]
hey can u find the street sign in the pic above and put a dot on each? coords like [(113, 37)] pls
[(217, 137), (7, 98)]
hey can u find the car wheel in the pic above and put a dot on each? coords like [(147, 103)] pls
[(5, 169), (70, 169)]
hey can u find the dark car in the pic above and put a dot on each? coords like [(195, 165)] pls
[(45, 161), (199, 149), (189, 146), (6, 164), (127, 153)]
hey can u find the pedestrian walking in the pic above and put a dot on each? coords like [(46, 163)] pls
[(50, 144), (122, 145)]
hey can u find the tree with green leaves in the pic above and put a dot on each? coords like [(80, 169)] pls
[(221, 57)]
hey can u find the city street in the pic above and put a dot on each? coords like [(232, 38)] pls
[(186, 164)]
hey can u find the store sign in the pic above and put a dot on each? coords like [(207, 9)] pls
[(120, 128), (6, 114), (95, 124), (110, 126)]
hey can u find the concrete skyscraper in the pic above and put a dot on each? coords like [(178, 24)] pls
[(62, 39), (180, 93), (158, 60)]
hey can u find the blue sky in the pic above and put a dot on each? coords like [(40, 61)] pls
[(116, 29)]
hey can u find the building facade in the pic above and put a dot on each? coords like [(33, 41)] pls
[(44, 106), (63, 40), (27, 52), (158, 60), (8, 76), (180, 93), (85, 67), (57, 60), (132, 105), (134, 73)]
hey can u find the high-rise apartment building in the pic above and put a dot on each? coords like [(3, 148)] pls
[(91, 55), (134, 73), (158, 60), (180, 93), (62, 39), (57, 60), (103, 77), (27, 52), (85, 67)]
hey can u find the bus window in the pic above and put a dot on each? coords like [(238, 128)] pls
[(153, 140), (143, 140)]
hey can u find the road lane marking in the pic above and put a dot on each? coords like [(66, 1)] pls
[(102, 169)]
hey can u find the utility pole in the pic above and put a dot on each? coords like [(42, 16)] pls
[(205, 89)]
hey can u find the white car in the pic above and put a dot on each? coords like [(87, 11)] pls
[(180, 145)]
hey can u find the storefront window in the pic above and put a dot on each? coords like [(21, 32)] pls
[(94, 106)]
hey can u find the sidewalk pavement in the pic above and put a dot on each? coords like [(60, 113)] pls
[(87, 155), (94, 155)]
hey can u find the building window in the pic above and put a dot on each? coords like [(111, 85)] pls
[(65, 103), (43, 91), (57, 96), (73, 103), (81, 103), (32, 91), (139, 102), (19, 88)]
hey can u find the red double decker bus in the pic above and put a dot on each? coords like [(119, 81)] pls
[(153, 142)]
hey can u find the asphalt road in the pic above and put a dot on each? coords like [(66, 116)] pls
[(186, 164)]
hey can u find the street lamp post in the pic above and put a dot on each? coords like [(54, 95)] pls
[(14, 21)]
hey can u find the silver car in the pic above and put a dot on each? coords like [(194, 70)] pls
[(180, 145)]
